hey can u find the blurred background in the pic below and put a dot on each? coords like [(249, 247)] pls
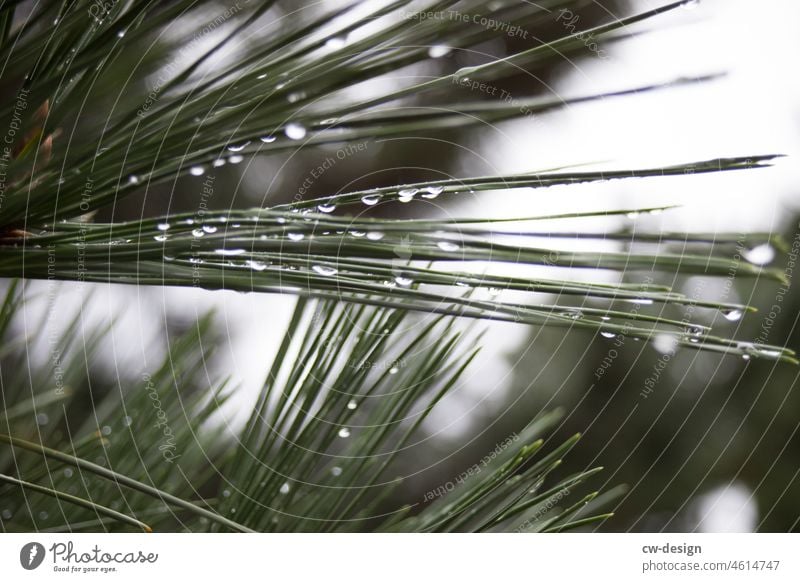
[(694, 443)]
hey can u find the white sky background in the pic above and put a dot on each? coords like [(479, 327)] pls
[(754, 110)]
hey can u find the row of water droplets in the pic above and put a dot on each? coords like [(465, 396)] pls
[(668, 343), (731, 314), (372, 198)]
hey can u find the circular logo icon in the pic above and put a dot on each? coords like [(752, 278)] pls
[(31, 555)]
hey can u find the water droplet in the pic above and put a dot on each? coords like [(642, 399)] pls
[(262, 76), (439, 50), (326, 208), (295, 131), (352, 405), (42, 419), (374, 235), (329, 121), (344, 432), (295, 96), (133, 179), (68, 473), (198, 232), (127, 421), (358, 233), (640, 301), (238, 146), (162, 226), (391, 283), (7, 514), (336, 42), (447, 246), (633, 215), (43, 515), (665, 343), (296, 236), (209, 228), (268, 138), (750, 349), (160, 237), (106, 430), (461, 76), (370, 199), (394, 370), (256, 265), (230, 252), (608, 334), (120, 33), (694, 330), (407, 194), (403, 281), (226, 493), (197, 170), (432, 192), (285, 488), (760, 255), (324, 270), (235, 159), (336, 471), (732, 314)]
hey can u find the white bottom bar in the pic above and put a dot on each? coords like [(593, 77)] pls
[(402, 557)]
